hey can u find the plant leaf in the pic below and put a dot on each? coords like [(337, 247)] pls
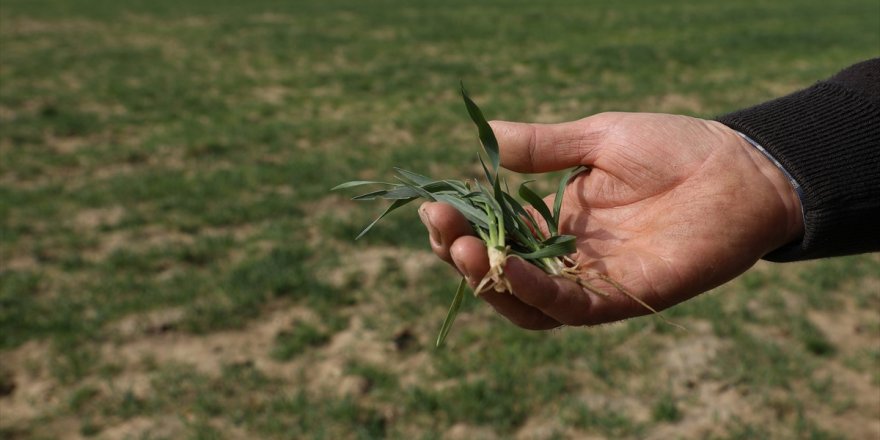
[(372, 195), (395, 205), (415, 177), (419, 190), (442, 186), (489, 177), (538, 203), (518, 209), (559, 239), (555, 246), (507, 218), (557, 201), (459, 186), (525, 228), (452, 313), (400, 192), (471, 213), (355, 183), (487, 137)]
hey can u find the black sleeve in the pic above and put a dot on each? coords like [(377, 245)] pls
[(828, 138)]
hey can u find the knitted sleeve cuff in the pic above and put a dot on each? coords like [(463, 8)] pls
[(828, 138)]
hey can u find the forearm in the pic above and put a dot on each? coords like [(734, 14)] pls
[(827, 137)]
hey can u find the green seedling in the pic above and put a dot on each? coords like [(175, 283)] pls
[(498, 218)]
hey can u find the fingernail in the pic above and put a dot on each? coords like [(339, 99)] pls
[(462, 267), (433, 233)]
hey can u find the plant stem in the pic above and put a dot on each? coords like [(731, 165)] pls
[(554, 266)]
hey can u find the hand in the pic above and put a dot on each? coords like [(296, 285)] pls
[(672, 206)]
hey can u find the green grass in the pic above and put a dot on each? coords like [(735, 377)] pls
[(172, 264)]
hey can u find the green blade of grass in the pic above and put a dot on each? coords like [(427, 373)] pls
[(488, 198), (487, 202), (558, 239), (517, 208), (472, 214), (443, 186), (489, 177), (415, 187), (459, 186), (415, 177), (487, 137), (504, 215), (403, 192), (523, 227), (388, 194), (392, 207), (557, 201), (555, 247), (355, 183), (538, 203), (452, 313)]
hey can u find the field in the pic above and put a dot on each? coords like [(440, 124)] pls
[(174, 266)]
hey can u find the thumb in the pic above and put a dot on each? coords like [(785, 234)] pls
[(539, 148)]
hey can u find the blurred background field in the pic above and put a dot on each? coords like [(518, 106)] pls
[(173, 265)]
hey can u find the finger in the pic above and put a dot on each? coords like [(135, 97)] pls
[(561, 299), (445, 224), (469, 255), (538, 148), (517, 312)]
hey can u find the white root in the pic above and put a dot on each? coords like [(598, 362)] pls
[(494, 278)]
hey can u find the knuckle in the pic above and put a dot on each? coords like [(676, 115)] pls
[(532, 148)]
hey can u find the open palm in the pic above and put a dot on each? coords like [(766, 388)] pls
[(671, 207)]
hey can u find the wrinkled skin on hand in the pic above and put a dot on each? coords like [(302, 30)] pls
[(672, 206)]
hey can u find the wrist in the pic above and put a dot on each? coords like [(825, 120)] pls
[(786, 187)]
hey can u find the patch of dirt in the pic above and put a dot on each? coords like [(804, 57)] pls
[(713, 405), (109, 242), (169, 426), (857, 399), (34, 391), (354, 343), (208, 354), (138, 239), (386, 34), (690, 360), (90, 219), (848, 329), (462, 431), (635, 409), (547, 114), (676, 103), (102, 109), (774, 88), (141, 239), (325, 370), (388, 135), (191, 21), (151, 323), (25, 26), (271, 94), (541, 428), (370, 263), (20, 262)]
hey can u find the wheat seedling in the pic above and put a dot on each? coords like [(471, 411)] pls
[(497, 217)]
